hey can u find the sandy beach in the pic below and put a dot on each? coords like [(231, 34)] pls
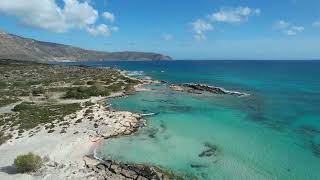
[(66, 149)]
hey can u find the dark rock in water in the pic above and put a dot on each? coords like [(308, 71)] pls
[(176, 108), (198, 166), (211, 150), (315, 149), (163, 126), (152, 132), (207, 153), (192, 91), (308, 130), (262, 119)]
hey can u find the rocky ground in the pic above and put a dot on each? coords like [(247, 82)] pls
[(109, 169)]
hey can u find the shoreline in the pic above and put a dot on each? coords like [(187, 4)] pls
[(111, 169), (66, 147), (70, 149)]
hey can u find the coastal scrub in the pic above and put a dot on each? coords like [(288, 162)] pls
[(28, 163)]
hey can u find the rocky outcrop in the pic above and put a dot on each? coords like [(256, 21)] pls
[(20, 48), (109, 169), (200, 88)]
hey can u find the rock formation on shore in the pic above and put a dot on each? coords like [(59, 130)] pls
[(199, 88), (115, 170)]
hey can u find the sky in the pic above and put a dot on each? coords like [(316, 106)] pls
[(183, 29)]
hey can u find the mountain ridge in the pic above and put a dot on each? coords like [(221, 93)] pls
[(21, 48)]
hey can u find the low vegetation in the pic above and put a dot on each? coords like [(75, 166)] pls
[(4, 138), (42, 87), (5, 100), (30, 115), (28, 163), (87, 92)]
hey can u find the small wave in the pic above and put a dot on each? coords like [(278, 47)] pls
[(95, 155), (135, 73), (239, 94), (149, 114), (236, 93)]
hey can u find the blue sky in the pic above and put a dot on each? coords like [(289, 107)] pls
[(201, 29)]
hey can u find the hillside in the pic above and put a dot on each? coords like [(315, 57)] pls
[(20, 48)]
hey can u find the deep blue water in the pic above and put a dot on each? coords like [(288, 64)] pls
[(272, 134)]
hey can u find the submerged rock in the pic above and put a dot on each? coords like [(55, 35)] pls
[(176, 108), (309, 130), (152, 132), (198, 166), (211, 150), (315, 149)]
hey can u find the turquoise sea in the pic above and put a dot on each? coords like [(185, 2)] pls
[(272, 134)]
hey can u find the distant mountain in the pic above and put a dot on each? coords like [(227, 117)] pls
[(20, 48)]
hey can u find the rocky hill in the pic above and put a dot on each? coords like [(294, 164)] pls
[(20, 48)]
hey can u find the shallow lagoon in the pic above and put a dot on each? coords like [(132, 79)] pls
[(272, 134)]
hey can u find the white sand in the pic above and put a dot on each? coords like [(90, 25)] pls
[(66, 150)]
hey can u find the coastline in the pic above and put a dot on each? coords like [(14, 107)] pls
[(69, 148)]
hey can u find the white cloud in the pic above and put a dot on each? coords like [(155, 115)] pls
[(109, 16), (102, 29), (288, 28), (46, 14), (281, 24), (167, 37), (316, 24), (297, 28), (224, 15), (200, 27), (290, 32), (233, 15)]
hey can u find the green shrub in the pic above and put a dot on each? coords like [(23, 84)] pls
[(91, 82), (3, 85), (4, 138), (87, 92), (88, 103), (116, 87), (23, 106), (79, 83), (98, 90), (77, 93), (28, 163), (7, 100), (38, 91)]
